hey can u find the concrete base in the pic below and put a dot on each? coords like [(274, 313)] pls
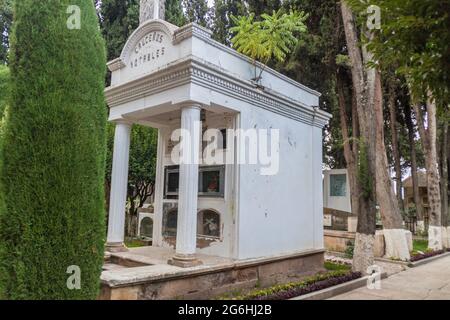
[(436, 237), (116, 247), (217, 276), (396, 243), (184, 261)]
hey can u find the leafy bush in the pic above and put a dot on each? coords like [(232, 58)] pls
[(428, 254), (350, 249), (315, 283), (53, 162)]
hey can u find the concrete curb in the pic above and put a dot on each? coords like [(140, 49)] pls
[(336, 290), (402, 263), (427, 260)]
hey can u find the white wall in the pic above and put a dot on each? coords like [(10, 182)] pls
[(282, 213)]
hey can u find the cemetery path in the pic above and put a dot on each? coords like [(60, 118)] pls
[(427, 282)]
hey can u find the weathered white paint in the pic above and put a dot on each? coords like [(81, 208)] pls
[(396, 244), (281, 213), (336, 203), (436, 237), (364, 247), (119, 181)]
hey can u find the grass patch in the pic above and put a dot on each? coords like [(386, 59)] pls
[(420, 245), (332, 266), (134, 243)]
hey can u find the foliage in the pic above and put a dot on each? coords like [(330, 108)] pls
[(290, 290), (350, 249), (333, 266), (223, 10), (142, 169), (313, 63), (119, 18), (420, 245), (6, 16), (4, 89), (52, 216), (174, 13), (197, 11), (273, 37), (259, 7), (420, 31), (427, 254)]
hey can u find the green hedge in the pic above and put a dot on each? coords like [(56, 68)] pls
[(52, 213)]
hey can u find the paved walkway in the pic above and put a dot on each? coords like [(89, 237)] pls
[(427, 282)]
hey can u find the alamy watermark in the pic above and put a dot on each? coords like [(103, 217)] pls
[(374, 279), (74, 19), (74, 280), (254, 147), (373, 16)]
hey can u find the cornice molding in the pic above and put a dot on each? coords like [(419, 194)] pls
[(191, 30), (195, 71)]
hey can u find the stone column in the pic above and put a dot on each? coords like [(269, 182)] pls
[(188, 189), (119, 183)]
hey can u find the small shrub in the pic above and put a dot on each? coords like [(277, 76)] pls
[(350, 249), (429, 254), (290, 290)]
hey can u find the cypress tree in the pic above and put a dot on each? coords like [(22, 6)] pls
[(197, 11), (119, 18), (174, 13), (4, 88), (52, 219), (223, 10)]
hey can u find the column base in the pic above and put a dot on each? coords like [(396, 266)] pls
[(184, 261), (115, 247)]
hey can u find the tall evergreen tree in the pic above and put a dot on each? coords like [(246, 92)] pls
[(258, 7), (197, 11), (53, 159), (223, 10), (174, 13), (119, 18)]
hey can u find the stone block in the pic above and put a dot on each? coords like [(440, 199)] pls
[(352, 224), (379, 246), (409, 240)]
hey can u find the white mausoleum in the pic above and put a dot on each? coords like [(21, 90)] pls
[(170, 78)]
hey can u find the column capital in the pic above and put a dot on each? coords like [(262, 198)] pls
[(123, 122), (191, 105)]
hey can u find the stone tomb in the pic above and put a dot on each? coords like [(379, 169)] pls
[(241, 210)]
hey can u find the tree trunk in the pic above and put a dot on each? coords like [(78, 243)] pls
[(394, 233), (365, 237), (429, 137), (414, 175), (367, 85), (350, 148), (395, 146), (444, 181)]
